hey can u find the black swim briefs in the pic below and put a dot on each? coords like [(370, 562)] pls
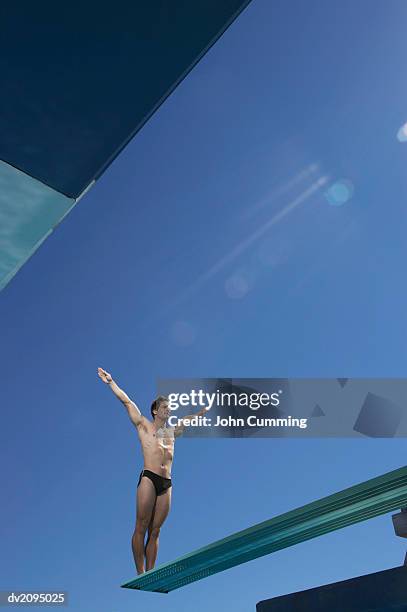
[(160, 483)]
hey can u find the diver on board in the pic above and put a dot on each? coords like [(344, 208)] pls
[(154, 486)]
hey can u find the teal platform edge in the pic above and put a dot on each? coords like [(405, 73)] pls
[(358, 503)]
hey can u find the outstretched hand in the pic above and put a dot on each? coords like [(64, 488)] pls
[(202, 412), (105, 376)]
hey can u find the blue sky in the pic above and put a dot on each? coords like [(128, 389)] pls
[(209, 248)]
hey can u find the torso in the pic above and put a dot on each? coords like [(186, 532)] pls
[(158, 447)]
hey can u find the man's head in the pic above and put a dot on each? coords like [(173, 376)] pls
[(160, 408)]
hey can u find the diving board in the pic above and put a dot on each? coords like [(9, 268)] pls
[(358, 503)]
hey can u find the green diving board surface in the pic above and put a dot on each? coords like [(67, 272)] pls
[(358, 503)]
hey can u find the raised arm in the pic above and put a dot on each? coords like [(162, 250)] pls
[(134, 413), (179, 429)]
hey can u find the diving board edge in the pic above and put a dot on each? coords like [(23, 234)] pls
[(360, 502)]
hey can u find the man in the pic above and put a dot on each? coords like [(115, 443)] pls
[(154, 485)]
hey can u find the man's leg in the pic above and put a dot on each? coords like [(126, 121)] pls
[(150, 526), (145, 505), (162, 508)]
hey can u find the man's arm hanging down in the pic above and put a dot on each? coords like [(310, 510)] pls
[(133, 410)]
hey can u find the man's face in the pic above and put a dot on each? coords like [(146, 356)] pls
[(164, 411)]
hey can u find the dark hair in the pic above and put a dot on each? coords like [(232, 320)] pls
[(157, 403)]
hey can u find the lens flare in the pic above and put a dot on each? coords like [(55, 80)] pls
[(402, 133), (339, 193), (236, 287)]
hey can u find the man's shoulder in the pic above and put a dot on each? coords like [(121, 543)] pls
[(144, 424)]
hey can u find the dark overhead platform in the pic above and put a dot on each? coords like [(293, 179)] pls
[(379, 592), (78, 80)]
